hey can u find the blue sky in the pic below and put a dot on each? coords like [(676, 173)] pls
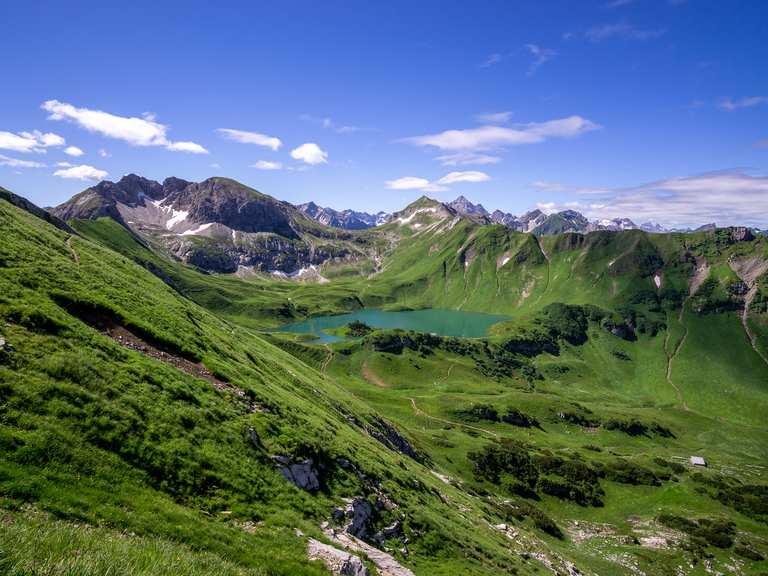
[(652, 109)]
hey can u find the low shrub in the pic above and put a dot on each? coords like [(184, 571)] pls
[(520, 510), (626, 472), (703, 531)]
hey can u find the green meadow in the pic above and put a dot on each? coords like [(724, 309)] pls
[(562, 438)]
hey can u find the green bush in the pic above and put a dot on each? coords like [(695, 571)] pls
[(703, 531), (506, 460), (626, 472), (520, 510)]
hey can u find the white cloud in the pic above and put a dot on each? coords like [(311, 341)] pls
[(540, 57), (16, 163), (727, 198), (439, 185), (135, 131), (45, 139), (145, 131), (486, 137), (621, 30), (746, 102), (34, 141), (82, 172), (495, 117), (244, 137), (18, 143), (73, 151), (469, 176), (310, 153), (191, 147), (466, 158), (267, 165), (63, 164), (408, 183), (215, 165), (104, 154)]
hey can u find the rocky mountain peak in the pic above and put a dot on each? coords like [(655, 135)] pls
[(464, 206), (173, 184)]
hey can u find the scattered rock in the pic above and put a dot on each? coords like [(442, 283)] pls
[(394, 530), (738, 288), (385, 564), (301, 474), (362, 514)]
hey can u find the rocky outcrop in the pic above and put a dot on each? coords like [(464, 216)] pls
[(264, 252), (740, 234), (388, 435), (336, 560), (301, 474), (385, 564), (393, 531), (361, 514)]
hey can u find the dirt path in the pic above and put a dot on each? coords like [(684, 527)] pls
[(671, 357), (700, 274), (129, 340), (327, 360), (627, 251), (372, 377), (72, 251), (612, 262), (745, 322), (419, 412), (444, 379), (750, 270)]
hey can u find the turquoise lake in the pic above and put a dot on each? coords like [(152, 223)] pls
[(441, 322)]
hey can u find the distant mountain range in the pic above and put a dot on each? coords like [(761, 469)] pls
[(539, 223), (221, 225), (347, 219), (535, 222)]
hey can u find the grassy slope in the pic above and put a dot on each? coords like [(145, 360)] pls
[(94, 433), (493, 269)]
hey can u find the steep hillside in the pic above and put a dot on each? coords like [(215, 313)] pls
[(137, 398), (130, 409)]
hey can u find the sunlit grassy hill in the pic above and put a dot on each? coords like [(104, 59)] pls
[(147, 417)]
